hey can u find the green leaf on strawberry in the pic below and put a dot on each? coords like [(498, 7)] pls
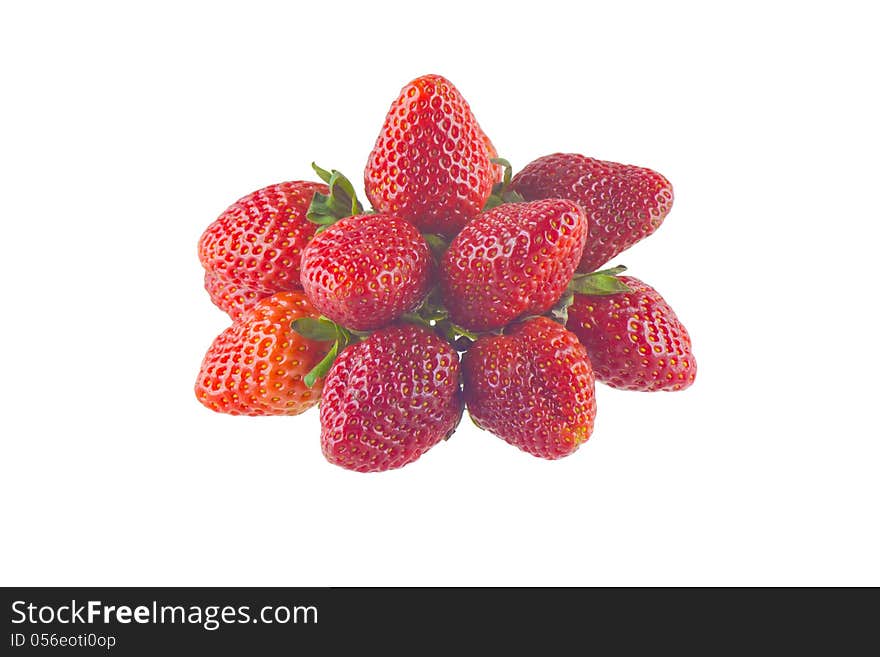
[(342, 201), (501, 192), (599, 283), (559, 311), (437, 243), (320, 370), (325, 330), (315, 329)]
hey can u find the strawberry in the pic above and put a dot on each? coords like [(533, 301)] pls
[(389, 399), (257, 243), (257, 365), (533, 387), (231, 298), (514, 259), (635, 340), (492, 152), (624, 203), (365, 271), (431, 162)]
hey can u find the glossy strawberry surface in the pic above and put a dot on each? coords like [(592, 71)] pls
[(257, 242), (533, 387), (623, 203), (389, 399), (363, 272), (430, 164), (257, 365), (512, 260), (634, 339), (232, 298)]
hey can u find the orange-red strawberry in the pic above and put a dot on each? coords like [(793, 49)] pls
[(533, 387), (257, 365), (431, 162), (389, 399), (365, 271), (232, 298), (624, 203), (634, 339), (257, 243), (512, 260)]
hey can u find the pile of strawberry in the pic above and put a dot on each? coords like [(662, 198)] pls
[(369, 311)]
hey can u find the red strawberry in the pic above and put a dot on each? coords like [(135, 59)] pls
[(257, 365), (363, 272), (389, 399), (624, 203), (430, 164), (231, 298), (492, 152), (514, 259), (257, 242), (533, 387), (635, 340)]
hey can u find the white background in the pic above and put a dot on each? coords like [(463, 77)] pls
[(126, 130)]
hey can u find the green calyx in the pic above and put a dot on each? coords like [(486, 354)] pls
[(325, 330), (597, 283), (458, 336), (326, 209), (432, 314), (559, 311), (501, 192), (437, 243)]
